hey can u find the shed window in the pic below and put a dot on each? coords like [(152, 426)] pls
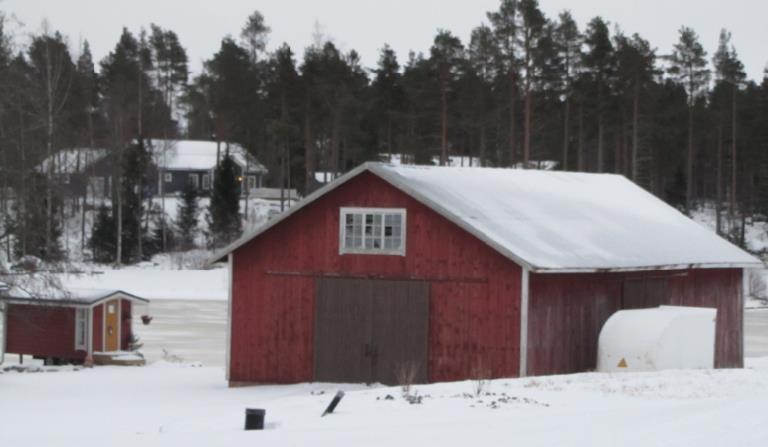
[(81, 329), (372, 231)]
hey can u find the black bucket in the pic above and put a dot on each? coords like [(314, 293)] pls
[(254, 418)]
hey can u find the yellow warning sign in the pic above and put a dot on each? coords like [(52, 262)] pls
[(622, 363)]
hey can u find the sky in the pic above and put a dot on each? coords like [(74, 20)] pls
[(365, 25)]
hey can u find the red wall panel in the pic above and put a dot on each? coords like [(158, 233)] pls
[(98, 328), (126, 328), (474, 298), (567, 312), (44, 331)]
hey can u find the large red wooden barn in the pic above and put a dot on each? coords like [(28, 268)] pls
[(69, 325), (457, 273)]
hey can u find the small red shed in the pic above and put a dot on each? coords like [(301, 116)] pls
[(68, 326), (394, 273)]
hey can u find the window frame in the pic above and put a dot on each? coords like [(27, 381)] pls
[(206, 182), (344, 211), (194, 179), (168, 177), (81, 328)]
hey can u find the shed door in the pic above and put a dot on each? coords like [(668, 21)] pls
[(644, 293), (371, 330), (112, 325)]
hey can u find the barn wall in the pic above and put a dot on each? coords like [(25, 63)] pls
[(98, 328), (567, 312), (474, 297), (44, 331)]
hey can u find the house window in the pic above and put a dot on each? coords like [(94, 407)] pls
[(65, 179), (98, 186), (168, 177), (251, 182), (81, 329), (194, 180), (206, 181), (372, 231)]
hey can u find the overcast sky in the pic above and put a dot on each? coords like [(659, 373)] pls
[(365, 25)]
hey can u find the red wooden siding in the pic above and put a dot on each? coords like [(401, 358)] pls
[(98, 328), (43, 331), (474, 298), (567, 312), (126, 328)]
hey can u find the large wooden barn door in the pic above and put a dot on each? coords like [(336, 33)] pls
[(371, 331), (644, 293)]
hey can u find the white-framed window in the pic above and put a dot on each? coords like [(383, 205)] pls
[(206, 181), (97, 185), (65, 179), (168, 177), (251, 182), (81, 329), (194, 180), (372, 231)]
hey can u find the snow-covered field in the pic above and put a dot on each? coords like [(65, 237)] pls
[(188, 403)]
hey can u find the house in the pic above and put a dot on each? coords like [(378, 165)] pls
[(68, 326), (449, 273), (182, 162)]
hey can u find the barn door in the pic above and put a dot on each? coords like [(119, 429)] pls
[(644, 293), (371, 331)]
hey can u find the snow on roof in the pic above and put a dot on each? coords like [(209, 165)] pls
[(554, 221), (65, 296), (71, 161), (199, 155)]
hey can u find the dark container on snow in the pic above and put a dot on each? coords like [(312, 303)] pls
[(254, 418)]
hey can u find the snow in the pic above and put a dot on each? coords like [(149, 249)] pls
[(154, 283), (198, 155), (180, 401), (666, 337), (565, 220)]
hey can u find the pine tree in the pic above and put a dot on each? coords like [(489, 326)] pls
[(688, 67), (135, 162), (600, 63), (224, 210), (102, 242), (186, 219)]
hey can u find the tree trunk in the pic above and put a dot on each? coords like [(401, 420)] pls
[(600, 146), (635, 133), (689, 163), (483, 145), (309, 153), (580, 146), (512, 117), (443, 117), (719, 201), (734, 178), (335, 141), (527, 137), (49, 152), (566, 131)]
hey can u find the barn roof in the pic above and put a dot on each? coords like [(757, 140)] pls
[(65, 296), (554, 221)]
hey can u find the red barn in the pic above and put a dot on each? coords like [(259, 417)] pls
[(68, 326), (443, 274)]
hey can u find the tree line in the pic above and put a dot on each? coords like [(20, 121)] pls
[(525, 89)]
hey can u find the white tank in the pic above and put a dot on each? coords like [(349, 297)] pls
[(666, 337)]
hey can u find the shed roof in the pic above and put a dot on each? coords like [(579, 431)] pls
[(554, 221), (66, 296), (199, 155)]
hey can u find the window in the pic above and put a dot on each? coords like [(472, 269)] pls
[(81, 329), (194, 180), (372, 231), (97, 186), (65, 179), (206, 181), (251, 182), (168, 177)]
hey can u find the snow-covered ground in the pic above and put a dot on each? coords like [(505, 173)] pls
[(184, 400)]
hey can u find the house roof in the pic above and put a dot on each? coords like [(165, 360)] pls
[(199, 155), (66, 297), (71, 161), (553, 221)]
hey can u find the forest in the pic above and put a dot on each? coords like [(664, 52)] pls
[(525, 89)]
